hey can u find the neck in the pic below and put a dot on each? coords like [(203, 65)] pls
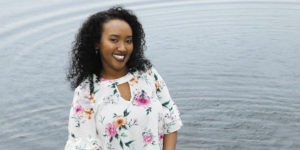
[(113, 74)]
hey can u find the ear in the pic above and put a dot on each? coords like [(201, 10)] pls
[(97, 46)]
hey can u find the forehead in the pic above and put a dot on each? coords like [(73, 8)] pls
[(117, 26)]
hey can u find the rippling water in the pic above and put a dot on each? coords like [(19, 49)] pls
[(232, 67)]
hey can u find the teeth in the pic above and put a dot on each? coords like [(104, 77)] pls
[(118, 56)]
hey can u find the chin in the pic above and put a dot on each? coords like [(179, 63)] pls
[(119, 68)]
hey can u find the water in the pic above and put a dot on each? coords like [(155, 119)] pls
[(231, 67)]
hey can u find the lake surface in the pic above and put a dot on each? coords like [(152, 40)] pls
[(232, 67)]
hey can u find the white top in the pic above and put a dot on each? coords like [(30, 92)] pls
[(105, 121)]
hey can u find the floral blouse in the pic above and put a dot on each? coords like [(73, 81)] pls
[(106, 121)]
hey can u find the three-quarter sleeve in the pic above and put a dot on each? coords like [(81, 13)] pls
[(82, 132), (172, 120)]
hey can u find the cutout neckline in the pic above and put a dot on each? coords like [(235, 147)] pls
[(130, 91)]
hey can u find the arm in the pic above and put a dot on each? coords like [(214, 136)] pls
[(170, 141), (172, 120), (82, 127)]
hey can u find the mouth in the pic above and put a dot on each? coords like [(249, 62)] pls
[(120, 58)]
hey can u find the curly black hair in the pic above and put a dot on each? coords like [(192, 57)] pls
[(85, 61)]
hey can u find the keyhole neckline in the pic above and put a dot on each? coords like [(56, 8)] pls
[(123, 99)]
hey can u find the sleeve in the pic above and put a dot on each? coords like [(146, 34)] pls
[(172, 120), (82, 128)]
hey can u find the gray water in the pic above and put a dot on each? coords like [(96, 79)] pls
[(232, 67)]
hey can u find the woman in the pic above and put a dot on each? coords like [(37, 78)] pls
[(120, 101)]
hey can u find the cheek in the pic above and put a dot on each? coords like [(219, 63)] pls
[(131, 49), (106, 47)]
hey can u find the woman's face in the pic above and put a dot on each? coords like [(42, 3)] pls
[(116, 45)]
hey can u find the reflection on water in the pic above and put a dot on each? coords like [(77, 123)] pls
[(231, 66)]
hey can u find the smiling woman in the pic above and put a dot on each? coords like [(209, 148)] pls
[(120, 100)]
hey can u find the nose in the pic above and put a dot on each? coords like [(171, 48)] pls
[(121, 46)]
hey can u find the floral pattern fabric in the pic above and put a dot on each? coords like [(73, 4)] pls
[(104, 120)]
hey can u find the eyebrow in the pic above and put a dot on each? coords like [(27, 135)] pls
[(119, 35)]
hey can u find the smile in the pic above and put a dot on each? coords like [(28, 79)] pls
[(119, 57)]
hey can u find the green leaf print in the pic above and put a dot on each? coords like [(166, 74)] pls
[(115, 115), (77, 121), (158, 90), (123, 126), (128, 143), (143, 93), (155, 77), (126, 113), (149, 110), (101, 119), (77, 124), (165, 104), (171, 108), (121, 143), (73, 135), (95, 91), (114, 85)]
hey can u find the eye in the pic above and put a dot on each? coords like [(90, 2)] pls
[(129, 41), (114, 40)]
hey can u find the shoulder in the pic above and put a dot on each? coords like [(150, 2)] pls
[(83, 88), (152, 72), (149, 73), (83, 96)]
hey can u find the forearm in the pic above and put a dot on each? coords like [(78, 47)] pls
[(170, 141)]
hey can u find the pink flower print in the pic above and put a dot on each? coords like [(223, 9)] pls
[(78, 109), (148, 139), (111, 130), (161, 136), (135, 121), (142, 101), (108, 100), (108, 80)]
